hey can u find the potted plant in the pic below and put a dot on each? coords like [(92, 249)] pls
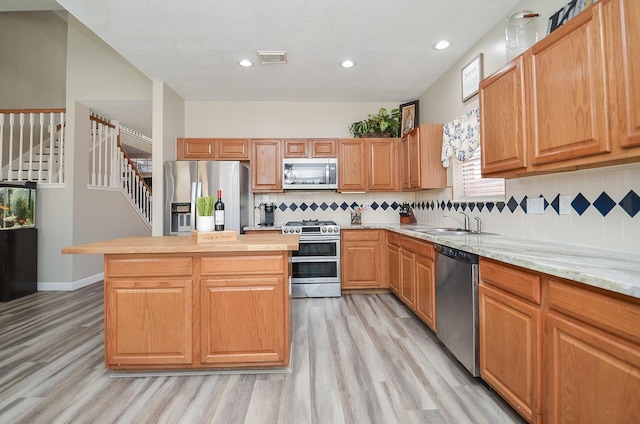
[(384, 124), (205, 221)]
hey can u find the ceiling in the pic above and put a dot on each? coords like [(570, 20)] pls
[(195, 46)]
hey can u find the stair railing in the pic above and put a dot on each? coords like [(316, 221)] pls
[(111, 167), (40, 146)]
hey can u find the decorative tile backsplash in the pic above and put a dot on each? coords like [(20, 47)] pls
[(604, 208)]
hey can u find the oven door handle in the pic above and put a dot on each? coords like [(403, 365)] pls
[(304, 239), (313, 259)]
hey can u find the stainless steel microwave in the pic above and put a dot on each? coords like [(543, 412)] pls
[(310, 174)]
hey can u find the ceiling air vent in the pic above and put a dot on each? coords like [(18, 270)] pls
[(267, 58)]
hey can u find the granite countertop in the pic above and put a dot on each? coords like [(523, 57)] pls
[(607, 269)]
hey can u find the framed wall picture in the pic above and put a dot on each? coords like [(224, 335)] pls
[(472, 74), (409, 117)]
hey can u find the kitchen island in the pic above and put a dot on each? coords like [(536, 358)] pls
[(172, 303)]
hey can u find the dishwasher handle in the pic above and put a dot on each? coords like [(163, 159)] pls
[(459, 255)]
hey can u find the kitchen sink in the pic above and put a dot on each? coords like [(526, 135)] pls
[(441, 232)]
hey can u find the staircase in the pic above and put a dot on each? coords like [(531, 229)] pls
[(30, 151)]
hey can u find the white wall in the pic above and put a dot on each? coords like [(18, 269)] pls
[(616, 231)]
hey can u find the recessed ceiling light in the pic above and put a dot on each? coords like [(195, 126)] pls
[(347, 64), (246, 63), (441, 45)]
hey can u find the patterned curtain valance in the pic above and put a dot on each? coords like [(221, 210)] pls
[(461, 137)]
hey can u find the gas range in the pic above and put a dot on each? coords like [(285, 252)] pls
[(311, 227)]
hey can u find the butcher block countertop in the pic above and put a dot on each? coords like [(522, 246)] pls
[(184, 244)]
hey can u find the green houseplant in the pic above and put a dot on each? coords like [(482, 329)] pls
[(384, 124), (205, 220)]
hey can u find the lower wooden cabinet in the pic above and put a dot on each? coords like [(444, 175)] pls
[(425, 290), (394, 268), (363, 259), (197, 311)]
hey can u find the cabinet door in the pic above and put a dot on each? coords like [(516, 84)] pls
[(394, 268), (405, 184), (229, 333), (591, 377), (148, 321), (509, 349), (295, 148), (425, 291), (362, 259), (352, 165), (413, 138), (381, 164), (407, 278), (232, 149), (430, 170), (323, 148), (503, 120), (628, 69), (568, 111), (266, 166), (196, 148)]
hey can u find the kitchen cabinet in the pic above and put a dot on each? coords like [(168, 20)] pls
[(425, 287), (571, 101), (213, 148), (266, 166), (364, 259), (510, 331), (18, 263), (177, 311), (309, 148), (592, 355), (420, 152), (368, 164), (393, 250)]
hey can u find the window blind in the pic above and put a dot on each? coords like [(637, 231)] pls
[(468, 184)]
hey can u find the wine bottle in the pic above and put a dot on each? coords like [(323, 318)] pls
[(219, 213)]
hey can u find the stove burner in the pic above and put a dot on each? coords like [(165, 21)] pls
[(311, 227), (309, 223)]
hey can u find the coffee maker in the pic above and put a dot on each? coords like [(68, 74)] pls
[(266, 214)]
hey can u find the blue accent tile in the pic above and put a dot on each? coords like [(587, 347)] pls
[(344, 206), (480, 206), (282, 207), (353, 205), (555, 204), (422, 205), (580, 204), (472, 206), (544, 201), (374, 206), (313, 206), (384, 206), (463, 206), (442, 205), (324, 206), (630, 203), (490, 206), (303, 206), (512, 204), (293, 206), (334, 206), (394, 206), (523, 204), (501, 205), (449, 205), (432, 204), (413, 205), (604, 204)]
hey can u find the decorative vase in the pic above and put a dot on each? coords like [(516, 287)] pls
[(205, 224)]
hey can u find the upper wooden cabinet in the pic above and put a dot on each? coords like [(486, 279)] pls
[(213, 148), (311, 148), (368, 164), (266, 166), (571, 101), (420, 152)]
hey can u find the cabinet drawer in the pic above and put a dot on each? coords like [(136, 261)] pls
[(323, 148), (360, 235), (516, 281), (242, 265), (131, 266), (236, 149), (393, 238), (610, 313), (419, 247)]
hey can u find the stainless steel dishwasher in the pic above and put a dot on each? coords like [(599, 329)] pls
[(457, 304)]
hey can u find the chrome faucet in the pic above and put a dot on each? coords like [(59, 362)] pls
[(478, 224), (464, 224)]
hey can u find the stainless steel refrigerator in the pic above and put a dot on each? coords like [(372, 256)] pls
[(185, 180)]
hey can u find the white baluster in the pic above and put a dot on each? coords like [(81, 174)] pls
[(11, 135), (1, 143), (61, 149), (20, 150), (30, 172), (41, 147)]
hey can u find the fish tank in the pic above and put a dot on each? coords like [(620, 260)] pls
[(17, 205)]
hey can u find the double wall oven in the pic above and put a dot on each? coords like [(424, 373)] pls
[(316, 264)]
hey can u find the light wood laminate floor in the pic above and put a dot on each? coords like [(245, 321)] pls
[(355, 359)]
